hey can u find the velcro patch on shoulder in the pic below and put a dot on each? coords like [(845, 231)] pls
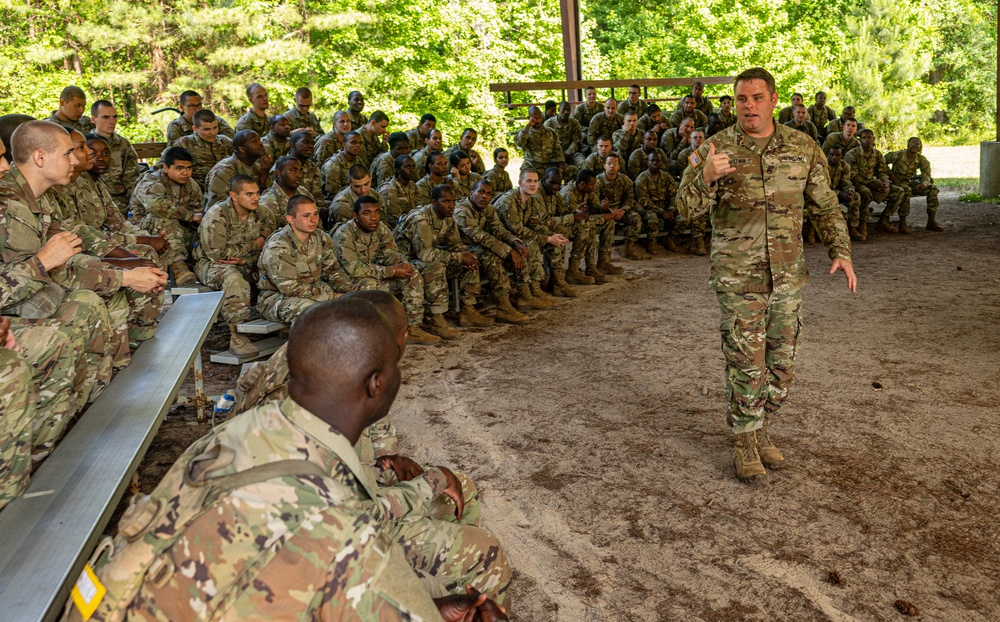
[(741, 161), (792, 158)]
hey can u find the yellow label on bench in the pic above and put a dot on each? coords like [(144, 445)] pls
[(88, 592)]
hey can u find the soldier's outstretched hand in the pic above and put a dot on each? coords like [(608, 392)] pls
[(845, 265), (717, 165)]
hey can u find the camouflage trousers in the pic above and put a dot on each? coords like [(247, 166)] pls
[(409, 291), (17, 410), (135, 314), (931, 192), (893, 197), (760, 336), (631, 223), (280, 308), (178, 234), (494, 269), (602, 236), (436, 276), (853, 209), (234, 281), (84, 315)]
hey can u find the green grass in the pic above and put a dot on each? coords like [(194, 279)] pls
[(957, 182), (975, 197)]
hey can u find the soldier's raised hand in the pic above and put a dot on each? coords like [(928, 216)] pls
[(717, 165)]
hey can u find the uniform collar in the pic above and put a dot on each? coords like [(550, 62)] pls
[(16, 179)]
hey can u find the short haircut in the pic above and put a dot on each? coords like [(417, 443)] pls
[(358, 172), (293, 204), (650, 109), (431, 133), (203, 116), (338, 114), (550, 104), (469, 130), (724, 98), (284, 161), (585, 175), (846, 108), (92, 136), (834, 148), (363, 200), (698, 131), (433, 155), (176, 154), (352, 94), (549, 172), (96, 106), (479, 184), (427, 117), (525, 171), (188, 94), (651, 133), (757, 73), (498, 151), (797, 106), (604, 137), (401, 160), (846, 121), (531, 110), (698, 83), (796, 94), (72, 92), (590, 88), (866, 131), (32, 136), (9, 123), (398, 138), (303, 91), (631, 113), (237, 183), (252, 87), (439, 190), (243, 137), (352, 133), (687, 97), (613, 154), (276, 119), (457, 156), (378, 117), (818, 93), (636, 86), (298, 137)]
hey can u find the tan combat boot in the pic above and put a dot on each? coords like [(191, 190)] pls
[(699, 246), (420, 337), (863, 228), (526, 302), (653, 247), (634, 252), (537, 291), (507, 313), (604, 264), (749, 470), (932, 224), (672, 244), (808, 233), (884, 226), (901, 227), (574, 276), (240, 344), (560, 287), (470, 316), (599, 277), (437, 325), (769, 454), (182, 274), (855, 234)]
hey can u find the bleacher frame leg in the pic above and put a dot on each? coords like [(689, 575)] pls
[(199, 389)]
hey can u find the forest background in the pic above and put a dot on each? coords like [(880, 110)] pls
[(908, 66)]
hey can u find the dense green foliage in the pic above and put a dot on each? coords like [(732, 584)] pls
[(908, 66)]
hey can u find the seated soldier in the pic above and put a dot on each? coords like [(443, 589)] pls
[(850, 201), (617, 192), (437, 174), (373, 137), (605, 124), (786, 113), (633, 103), (653, 121), (332, 143), (802, 124), (248, 159), (384, 165), (903, 167), (123, 163), (183, 125), (275, 142), (714, 125), (497, 176), (628, 138), (335, 169), (432, 142), (585, 113), (299, 116), (820, 114), (846, 139), (688, 110), (655, 191), (17, 402), (429, 238), (417, 135), (256, 117), (312, 178), (837, 124), (540, 145), (465, 144), (273, 201), (701, 102), (72, 104), (680, 160), (230, 239), (595, 161), (568, 131), (639, 159), (870, 177), (577, 196), (298, 265), (399, 193), (168, 200), (726, 115), (369, 255), (462, 176), (677, 138), (519, 214), (287, 561), (554, 218), (355, 104), (550, 109), (359, 185), (205, 145)]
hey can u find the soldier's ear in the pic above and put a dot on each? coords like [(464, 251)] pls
[(375, 385)]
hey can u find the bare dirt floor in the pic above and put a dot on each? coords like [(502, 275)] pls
[(596, 435)]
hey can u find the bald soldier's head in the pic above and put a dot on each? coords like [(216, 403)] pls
[(43, 153), (343, 364)]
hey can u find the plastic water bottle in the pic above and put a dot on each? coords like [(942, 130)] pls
[(225, 405)]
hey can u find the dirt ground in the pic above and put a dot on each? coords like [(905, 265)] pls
[(597, 438)]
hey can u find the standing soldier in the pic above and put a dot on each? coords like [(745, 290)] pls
[(903, 167), (123, 165), (299, 115), (256, 117), (183, 125), (205, 145), (757, 267), (540, 144)]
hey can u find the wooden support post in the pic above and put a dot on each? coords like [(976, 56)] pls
[(569, 10)]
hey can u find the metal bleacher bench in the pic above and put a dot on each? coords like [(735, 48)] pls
[(265, 347), (49, 532)]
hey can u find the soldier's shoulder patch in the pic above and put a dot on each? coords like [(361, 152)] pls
[(694, 159)]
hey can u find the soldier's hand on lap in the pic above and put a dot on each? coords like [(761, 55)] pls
[(469, 261), (402, 270), (454, 491), (517, 259), (405, 468), (617, 213), (145, 280), (158, 243), (58, 249), (557, 239), (581, 213), (717, 165)]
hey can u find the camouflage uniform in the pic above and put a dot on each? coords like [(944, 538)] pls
[(836, 139), (785, 115), (296, 275), (837, 125), (358, 119), (639, 109), (342, 205), (499, 181), (398, 199), (653, 195), (840, 180), (490, 240), (366, 258), (588, 230), (807, 128), (383, 167), (758, 284), (680, 161), (871, 166), (420, 159), (601, 125), (462, 187), (552, 217), (123, 170), (84, 124), (416, 140), (274, 146), (476, 159), (541, 147), (334, 172), (570, 136), (701, 104), (182, 127), (217, 181), (595, 163), (327, 146), (645, 124), (206, 155), (17, 411), (820, 117), (584, 114), (621, 193), (298, 120), (222, 236), (169, 207), (700, 118), (272, 206), (312, 180), (625, 144), (425, 187), (639, 161), (524, 220), (308, 546), (434, 246), (371, 146), (250, 121), (903, 170), (670, 142), (727, 119)]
